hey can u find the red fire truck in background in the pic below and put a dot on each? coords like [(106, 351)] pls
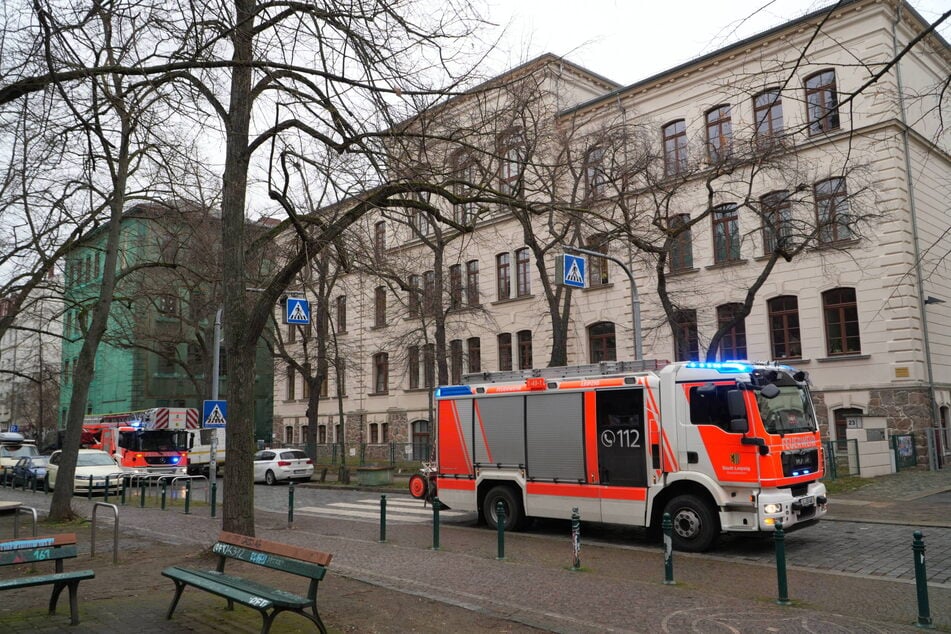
[(731, 446), (152, 440)]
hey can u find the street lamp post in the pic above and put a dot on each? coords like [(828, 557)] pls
[(635, 300)]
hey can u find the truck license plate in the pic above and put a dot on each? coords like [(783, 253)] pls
[(809, 500)]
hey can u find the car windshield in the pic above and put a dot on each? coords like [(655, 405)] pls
[(788, 413), (39, 461), (18, 451), (95, 460)]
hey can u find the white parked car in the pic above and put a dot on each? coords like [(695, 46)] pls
[(90, 462), (273, 465)]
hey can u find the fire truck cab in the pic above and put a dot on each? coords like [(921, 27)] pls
[(721, 447)]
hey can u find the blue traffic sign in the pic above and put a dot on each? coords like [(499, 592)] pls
[(573, 271), (214, 413), (297, 311)]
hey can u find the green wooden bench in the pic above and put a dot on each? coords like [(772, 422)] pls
[(269, 601), (53, 548)]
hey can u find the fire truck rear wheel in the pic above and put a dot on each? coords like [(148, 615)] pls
[(696, 526), (514, 515)]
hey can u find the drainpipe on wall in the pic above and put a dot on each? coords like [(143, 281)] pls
[(932, 402)]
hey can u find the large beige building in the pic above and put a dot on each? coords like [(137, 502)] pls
[(783, 198)]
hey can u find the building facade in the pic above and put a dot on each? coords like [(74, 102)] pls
[(157, 348), (783, 198)]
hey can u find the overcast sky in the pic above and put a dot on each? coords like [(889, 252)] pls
[(629, 40)]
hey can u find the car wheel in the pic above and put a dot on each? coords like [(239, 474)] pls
[(514, 516), (695, 524), (270, 478)]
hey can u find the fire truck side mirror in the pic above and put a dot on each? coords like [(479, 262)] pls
[(736, 403)]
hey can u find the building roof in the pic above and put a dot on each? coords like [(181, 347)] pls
[(744, 43)]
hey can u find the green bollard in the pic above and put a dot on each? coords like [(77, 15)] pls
[(142, 494), (122, 491), (33, 484), (214, 498), (780, 538), (382, 518), (290, 505), (188, 496), (921, 582), (436, 505), (668, 527), (575, 539), (500, 523), (89, 491), (164, 491), (105, 497)]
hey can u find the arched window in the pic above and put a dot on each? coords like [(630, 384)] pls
[(602, 342)]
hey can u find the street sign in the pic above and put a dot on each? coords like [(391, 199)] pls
[(572, 271), (297, 311), (215, 413), (14, 427)]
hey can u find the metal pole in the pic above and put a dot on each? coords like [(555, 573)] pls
[(214, 497), (668, 526), (575, 539), (436, 505), (635, 299), (780, 538), (500, 523), (921, 582), (188, 496), (290, 505), (382, 518), (164, 491), (215, 370)]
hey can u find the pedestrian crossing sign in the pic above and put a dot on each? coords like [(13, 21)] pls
[(572, 271), (215, 413), (297, 311)]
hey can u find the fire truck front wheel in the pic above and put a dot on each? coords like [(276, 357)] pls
[(514, 515), (695, 527)]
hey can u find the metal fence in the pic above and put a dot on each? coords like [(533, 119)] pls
[(841, 458), (394, 454)]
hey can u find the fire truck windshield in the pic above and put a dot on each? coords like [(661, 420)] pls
[(156, 440), (790, 412)]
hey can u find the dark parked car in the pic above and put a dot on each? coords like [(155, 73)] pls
[(29, 469)]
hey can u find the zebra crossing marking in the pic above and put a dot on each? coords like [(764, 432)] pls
[(399, 511)]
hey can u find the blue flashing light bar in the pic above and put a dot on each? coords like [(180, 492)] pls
[(453, 390), (135, 423), (803, 472), (724, 366)]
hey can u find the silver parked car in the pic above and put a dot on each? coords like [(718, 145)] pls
[(93, 463), (273, 465)]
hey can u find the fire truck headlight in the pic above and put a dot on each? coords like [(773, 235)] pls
[(772, 508)]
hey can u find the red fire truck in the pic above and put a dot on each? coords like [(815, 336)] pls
[(731, 446), (153, 440)]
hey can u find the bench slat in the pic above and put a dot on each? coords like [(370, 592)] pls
[(220, 588), (269, 560), (62, 539), (41, 553), (294, 552), (39, 580), (278, 596)]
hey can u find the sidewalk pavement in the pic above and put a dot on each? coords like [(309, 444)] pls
[(404, 585)]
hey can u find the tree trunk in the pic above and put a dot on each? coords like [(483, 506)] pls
[(238, 499), (60, 508)]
